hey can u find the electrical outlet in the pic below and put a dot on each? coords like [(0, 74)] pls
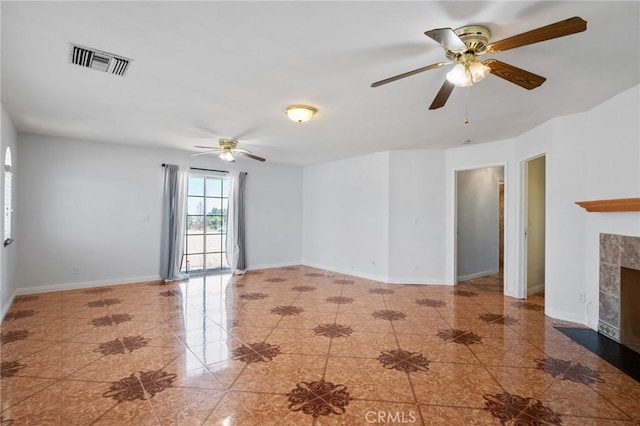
[(76, 270), (581, 297)]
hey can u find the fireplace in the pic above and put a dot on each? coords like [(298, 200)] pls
[(620, 289), (630, 308)]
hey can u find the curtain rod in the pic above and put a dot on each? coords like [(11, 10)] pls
[(205, 170)]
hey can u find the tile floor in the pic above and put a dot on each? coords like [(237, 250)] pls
[(300, 346)]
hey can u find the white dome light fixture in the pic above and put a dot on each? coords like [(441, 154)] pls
[(300, 113)]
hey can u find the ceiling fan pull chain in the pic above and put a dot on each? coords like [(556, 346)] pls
[(466, 105)]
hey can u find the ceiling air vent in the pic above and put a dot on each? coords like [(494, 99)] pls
[(99, 60)]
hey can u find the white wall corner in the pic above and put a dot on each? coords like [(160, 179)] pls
[(343, 271)]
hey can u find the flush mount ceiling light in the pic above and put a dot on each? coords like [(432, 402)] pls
[(300, 113)]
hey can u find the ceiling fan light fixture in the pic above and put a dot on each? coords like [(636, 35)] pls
[(463, 75), (300, 113), (459, 76), (227, 156), (479, 71)]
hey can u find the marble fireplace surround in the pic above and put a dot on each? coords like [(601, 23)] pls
[(616, 251)]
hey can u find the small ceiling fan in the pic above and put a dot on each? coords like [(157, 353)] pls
[(464, 45), (226, 151)]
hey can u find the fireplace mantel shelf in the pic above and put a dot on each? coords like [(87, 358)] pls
[(613, 205)]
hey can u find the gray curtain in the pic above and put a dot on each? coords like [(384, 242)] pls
[(241, 229), (173, 221), (236, 256)]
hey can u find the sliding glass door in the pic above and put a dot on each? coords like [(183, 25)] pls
[(205, 244)]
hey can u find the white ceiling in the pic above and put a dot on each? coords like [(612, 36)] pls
[(208, 70)]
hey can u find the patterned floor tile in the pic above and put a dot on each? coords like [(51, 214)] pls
[(249, 408), (369, 379), (280, 373), (451, 384), (300, 346)]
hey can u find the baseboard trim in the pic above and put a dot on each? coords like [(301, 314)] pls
[(477, 275), (273, 265), (345, 272), (86, 284), (6, 308), (535, 289), (386, 280), (417, 281), (566, 316)]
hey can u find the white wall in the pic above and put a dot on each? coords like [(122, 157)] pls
[(8, 254), (565, 240), (273, 213), (416, 217), (595, 155), (477, 221), (346, 216), (377, 216), (80, 204)]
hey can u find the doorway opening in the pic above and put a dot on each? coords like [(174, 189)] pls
[(534, 225), (480, 227), (206, 227)]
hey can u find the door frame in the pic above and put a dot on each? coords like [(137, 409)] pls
[(500, 183), (522, 220), (454, 222), (205, 174)]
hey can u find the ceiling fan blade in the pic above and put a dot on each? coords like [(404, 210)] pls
[(410, 73), (206, 147), (548, 32), (515, 75), (211, 151), (443, 95), (447, 39), (254, 157)]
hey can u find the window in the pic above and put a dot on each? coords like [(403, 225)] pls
[(206, 239), (8, 205)]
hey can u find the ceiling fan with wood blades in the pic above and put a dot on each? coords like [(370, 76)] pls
[(227, 150), (464, 45)]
